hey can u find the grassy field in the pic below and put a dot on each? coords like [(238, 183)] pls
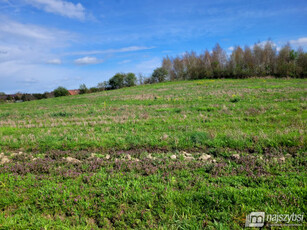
[(176, 155)]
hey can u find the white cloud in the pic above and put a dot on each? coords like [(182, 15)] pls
[(29, 43), (263, 43), (124, 62), (167, 51), (24, 30), (121, 50), (60, 7), (299, 42), (147, 66), (24, 51), (87, 61), (15, 33), (133, 48), (28, 81), (33, 78), (231, 48), (55, 61)]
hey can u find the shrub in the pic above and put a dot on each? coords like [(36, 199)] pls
[(117, 81), (159, 75), (234, 99), (83, 89), (103, 85), (130, 80), (61, 114), (60, 91), (93, 90)]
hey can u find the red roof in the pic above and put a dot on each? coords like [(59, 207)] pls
[(74, 91)]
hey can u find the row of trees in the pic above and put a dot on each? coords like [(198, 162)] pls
[(121, 80), (260, 60), (118, 81), (25, 96)]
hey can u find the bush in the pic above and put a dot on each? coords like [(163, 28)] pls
[(234, 99), (117, 81), (94, 90), (159, 75), (103, 85), (121, 80), (39, 96), (83, 89), (130, 79), (60, 91), (61, 114)]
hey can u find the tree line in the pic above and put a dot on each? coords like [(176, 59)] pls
[(258, 61), (261, 60)]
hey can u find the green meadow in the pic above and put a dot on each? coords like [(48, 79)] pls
[(177, 155)]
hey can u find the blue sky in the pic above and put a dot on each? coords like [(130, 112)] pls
[(48, 43)]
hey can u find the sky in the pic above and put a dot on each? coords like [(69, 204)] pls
[(49, 43)]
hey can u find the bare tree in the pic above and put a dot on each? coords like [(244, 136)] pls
[(248, 61), (167, 64), (218, 60), (269, 55), (141, 78), (237, 62)]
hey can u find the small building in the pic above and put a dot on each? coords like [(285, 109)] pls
[(74, 92)]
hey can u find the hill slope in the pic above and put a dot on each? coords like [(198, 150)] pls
[(240, 114), (189, 155)]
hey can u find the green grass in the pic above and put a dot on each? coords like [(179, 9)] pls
[(262, 120)]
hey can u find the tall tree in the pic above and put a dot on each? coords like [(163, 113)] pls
[(117, 81), (60, 91), (129, 79), (218, 60), (102, 85), (283, 60), (258, 60), (192, 65), (248, 61), (159, 75), (83, 89), (167, 64), (207, 65), (269, 55), (237, 62), (302, 63), (178, 69)]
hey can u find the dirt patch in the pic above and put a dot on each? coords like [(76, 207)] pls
[(72, 160), (4, 159)]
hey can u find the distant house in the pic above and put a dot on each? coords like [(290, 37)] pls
[(74, 92)]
